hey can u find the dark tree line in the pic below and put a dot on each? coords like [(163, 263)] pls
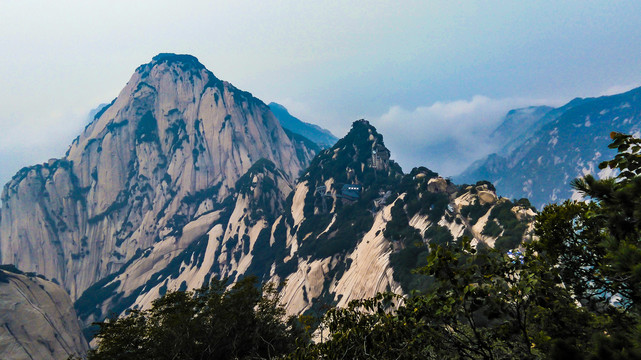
[(245, 322)]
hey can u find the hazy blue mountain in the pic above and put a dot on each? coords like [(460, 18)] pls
[(514, 129), (324, 138), (567, 142), (96, 112)]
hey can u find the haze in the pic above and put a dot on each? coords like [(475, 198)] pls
[(435, 77)]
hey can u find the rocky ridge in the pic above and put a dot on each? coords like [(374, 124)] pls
[(184, 177)]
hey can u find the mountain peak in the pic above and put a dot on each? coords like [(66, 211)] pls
[(185, 63), (174, 139), (177, 58), (363, 134), (356, 158)]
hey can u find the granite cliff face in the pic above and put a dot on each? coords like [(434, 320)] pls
[(173, 134), (38, 320)]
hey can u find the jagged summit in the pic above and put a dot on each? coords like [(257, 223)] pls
[(178, 58), (184, 63), (359, 157), (188, 66)]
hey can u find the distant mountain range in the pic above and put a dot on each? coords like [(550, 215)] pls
[(315, 133), (517, 127), (543, 149)]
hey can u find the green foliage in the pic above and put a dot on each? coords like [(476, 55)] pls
[(511, 229), (619, 207), (413, 250), (147, 128), (492, 228), (352, 220), (208, 323), (481, 305), (628, 159), (475, 211), (438, 235), (367, 329), (489, 185)]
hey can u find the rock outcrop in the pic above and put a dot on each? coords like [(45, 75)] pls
[(175, 134), (38, 319)]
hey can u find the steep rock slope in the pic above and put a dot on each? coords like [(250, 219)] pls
[(227, 240), (572, 143), (174, 133), (347, 230), (37, 317), (322, 137)]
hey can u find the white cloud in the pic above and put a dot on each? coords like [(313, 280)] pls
[(445, 136), (25, 142), (48, 130)]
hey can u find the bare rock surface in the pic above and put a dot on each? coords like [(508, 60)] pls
[(38, 320)]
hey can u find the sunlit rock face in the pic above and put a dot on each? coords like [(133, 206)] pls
[(38, 319), (173, 134)]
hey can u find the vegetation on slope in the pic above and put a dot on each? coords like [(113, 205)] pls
[(244, 322)]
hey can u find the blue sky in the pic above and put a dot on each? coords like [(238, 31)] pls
[(428, 74)]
